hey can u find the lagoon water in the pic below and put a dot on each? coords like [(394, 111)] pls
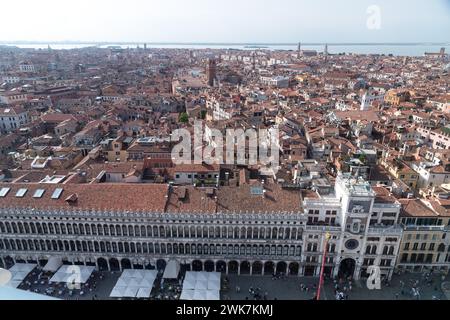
[(395, 49)]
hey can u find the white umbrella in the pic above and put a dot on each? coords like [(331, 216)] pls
[(150, 274), (130, 292), (145, 283), (13, 284), (214, 276), (64, 268), (187, 295), (117, 292), (28, 267), (190, 276), (172, 270), (58, 277), (189, 284), (212, 295), (134, 282), (214, 285), (23, 267), (200, 295), (127, 273), (202, 276), (19, 275), (121, 283), (15, 268), (144, 292), (138, 274), (150, 279), (201, 285), (53, 264), (87, 270)]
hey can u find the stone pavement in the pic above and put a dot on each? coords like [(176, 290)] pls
[(101, 284), (289, 288)]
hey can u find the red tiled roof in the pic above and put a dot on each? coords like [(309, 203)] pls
[(150, 197)]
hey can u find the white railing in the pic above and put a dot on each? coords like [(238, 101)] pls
[(384, 230)]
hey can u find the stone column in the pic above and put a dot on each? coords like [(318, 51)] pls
[(239, 269), (317, 271), (251, 269), (357, 272)]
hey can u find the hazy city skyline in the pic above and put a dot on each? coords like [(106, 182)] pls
[(233, 21)]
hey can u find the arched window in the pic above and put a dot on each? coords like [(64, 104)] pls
[(137, 231), (391, 250), (105, 230)]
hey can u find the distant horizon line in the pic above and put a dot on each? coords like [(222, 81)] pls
[(227, 43)]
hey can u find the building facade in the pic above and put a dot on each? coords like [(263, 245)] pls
[(12, 119), (58, 221)]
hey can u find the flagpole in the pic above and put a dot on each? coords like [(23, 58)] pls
[(322, 269)]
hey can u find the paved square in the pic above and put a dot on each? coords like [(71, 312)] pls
[(289, 288)]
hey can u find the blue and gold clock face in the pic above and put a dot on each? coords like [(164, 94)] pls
[(351, 244)]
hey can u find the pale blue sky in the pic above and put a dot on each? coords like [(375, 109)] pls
[(235, 21)]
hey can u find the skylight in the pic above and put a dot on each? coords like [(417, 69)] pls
[(4, 192), (57, 193), (21, 192), (39, 193)]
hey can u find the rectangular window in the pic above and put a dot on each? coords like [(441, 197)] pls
[(57, 193), (4, 192), (39, 193), (21, 193)]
